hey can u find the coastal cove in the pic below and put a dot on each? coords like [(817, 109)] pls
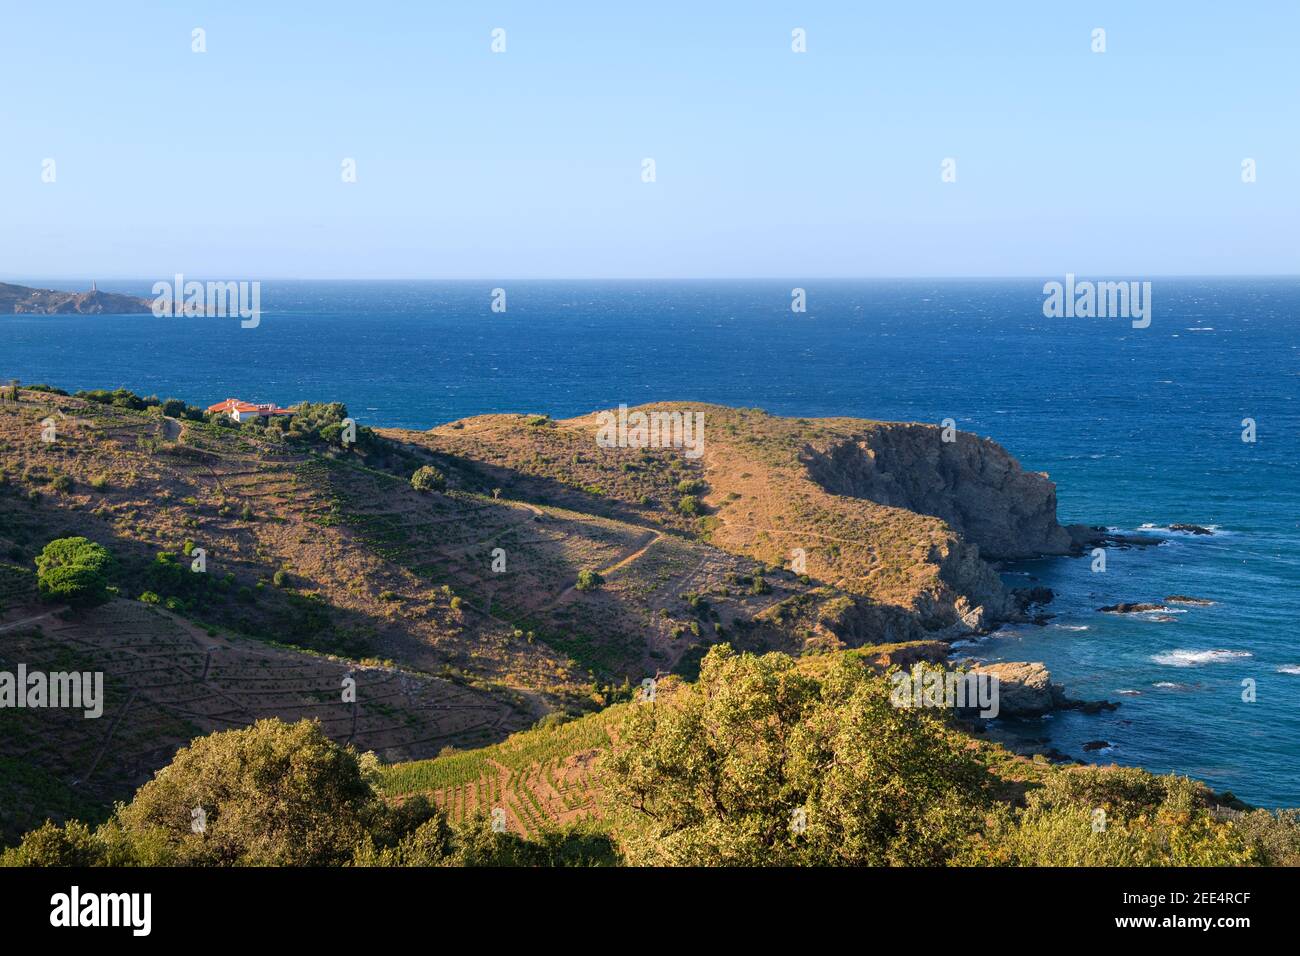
[(1137, 427)]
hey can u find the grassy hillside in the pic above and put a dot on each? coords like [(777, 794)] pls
[(775, 490), (545, 574)]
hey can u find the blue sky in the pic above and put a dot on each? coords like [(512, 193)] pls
[(528, 164)]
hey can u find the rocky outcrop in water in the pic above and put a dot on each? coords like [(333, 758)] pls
[(1025, 689), (1125, 607)]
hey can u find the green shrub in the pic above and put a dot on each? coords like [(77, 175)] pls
[(51, 845), (552, 720), (589, 580), (120, 398), (1114, 816), (170, 575), (428, 478)]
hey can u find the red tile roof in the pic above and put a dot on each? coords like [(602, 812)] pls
[(238, 405)]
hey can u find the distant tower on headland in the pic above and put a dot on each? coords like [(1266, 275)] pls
[(92, 286)]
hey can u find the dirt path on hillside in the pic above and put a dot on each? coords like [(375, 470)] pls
[(654, 536), (623, 562), (31, 620)]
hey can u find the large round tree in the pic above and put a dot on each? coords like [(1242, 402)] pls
[(74, 571), (270, 794), (762, 764)]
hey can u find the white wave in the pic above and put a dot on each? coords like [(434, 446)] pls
[(1150, 527), (1183, 658), (1071, 627), (1289, 669)]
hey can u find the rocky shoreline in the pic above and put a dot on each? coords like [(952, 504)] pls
[(1026, 688)]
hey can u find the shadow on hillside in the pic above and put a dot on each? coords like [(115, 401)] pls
[(267, 614), (483, 478)]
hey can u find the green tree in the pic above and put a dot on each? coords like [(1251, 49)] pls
[(761, 764), (52, 845), (74, 571), (428, 478), (270, 794), (323, 422)]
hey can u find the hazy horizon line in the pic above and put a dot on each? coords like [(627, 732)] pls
[(787, 278)]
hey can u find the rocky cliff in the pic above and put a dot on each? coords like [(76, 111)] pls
[(971, 483)]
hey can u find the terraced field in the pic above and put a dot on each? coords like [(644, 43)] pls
[(637, 623), (17, 585), (539, 777), (259, 508), (167, 681)]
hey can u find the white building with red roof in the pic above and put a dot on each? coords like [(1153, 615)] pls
[(242, 411)]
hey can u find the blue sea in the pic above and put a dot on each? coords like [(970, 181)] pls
[(1137, 427)]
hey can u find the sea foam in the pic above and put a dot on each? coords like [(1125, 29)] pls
[(1183, 658)]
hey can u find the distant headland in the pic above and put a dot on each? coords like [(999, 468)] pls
[(19, 299)]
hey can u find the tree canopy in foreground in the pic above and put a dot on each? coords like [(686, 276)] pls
[(763, 761)]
